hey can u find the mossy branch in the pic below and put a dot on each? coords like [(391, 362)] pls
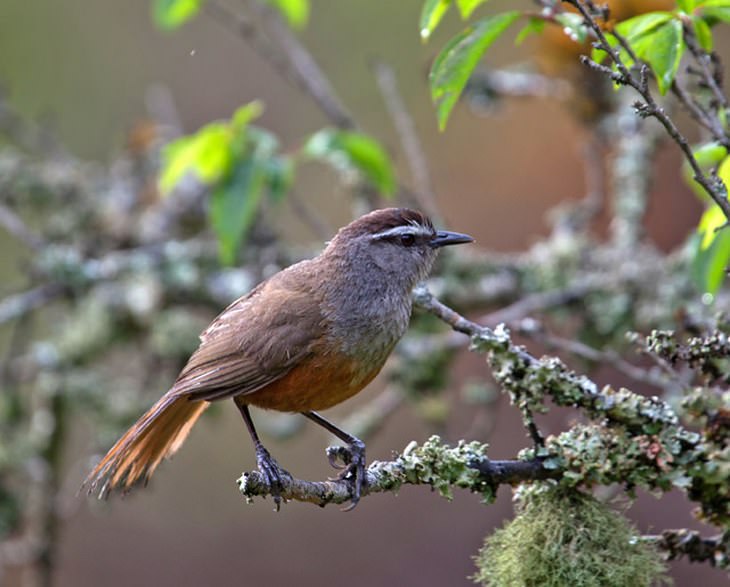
[(434, 463), (635, 440)]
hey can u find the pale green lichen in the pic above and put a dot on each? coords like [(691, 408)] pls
[(444, 467), (562, 537)]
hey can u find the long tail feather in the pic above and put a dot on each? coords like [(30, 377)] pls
[(158, 434)]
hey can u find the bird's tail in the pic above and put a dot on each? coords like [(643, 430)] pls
[(159, 433)]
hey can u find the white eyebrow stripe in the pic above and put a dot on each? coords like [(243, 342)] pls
[(414, 229)]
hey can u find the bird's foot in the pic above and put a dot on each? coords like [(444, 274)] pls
[(272, 472), (351, 459)]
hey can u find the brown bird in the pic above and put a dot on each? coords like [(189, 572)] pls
[(307, 338)]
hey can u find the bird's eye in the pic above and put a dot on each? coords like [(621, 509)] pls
[(407, 240)]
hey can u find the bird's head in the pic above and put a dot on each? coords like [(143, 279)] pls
[(399, 242)]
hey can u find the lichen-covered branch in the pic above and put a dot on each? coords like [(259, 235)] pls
[(434, 464), (690, 544), (634, 440)]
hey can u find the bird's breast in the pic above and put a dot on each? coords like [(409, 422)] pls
[(368, 326)]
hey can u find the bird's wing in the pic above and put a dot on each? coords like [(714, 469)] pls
[(252, 343)]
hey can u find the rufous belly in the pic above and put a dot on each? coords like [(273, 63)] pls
[(317, 383)]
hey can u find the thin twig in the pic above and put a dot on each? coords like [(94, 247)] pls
[(315, 222), (532, 329), (486, 85), (304, 68), (536, 302), (704, 59), (15, 225), (692, 545), (17, 305), (388, 85), (294, 64), (712, 186)]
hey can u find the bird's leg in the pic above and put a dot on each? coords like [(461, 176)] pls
[(267, 465), (353, 456)]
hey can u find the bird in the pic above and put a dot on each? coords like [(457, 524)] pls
[(305, 339)]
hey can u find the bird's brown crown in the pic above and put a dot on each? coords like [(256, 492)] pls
[(386, 219)]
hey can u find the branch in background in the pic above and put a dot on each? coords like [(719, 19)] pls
[(486, 86), (24, 134), (536, 302), (308, 74), (650, 107), (692, 545), (711, 79), (293, 63), (304, 213), (583, 212), (635, 144), (11, 222), (527, 378), (416, 158), (367, 420), (534, 330), (18, 305)]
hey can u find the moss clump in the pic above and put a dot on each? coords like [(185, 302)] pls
[(563, 537)]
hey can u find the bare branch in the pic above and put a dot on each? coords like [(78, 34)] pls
[(293, 62), (714, 188), (533, 329), (17, 305), (412, 148), (304, 68), (15, 225), (486, 85), (692, 545), (536, 302)]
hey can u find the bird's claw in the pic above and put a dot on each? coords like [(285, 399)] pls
[(272, 472), (338, 457), (353, 468)]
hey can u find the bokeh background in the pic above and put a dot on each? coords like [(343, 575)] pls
[(87, 69)]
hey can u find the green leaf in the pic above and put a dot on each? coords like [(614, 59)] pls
[(686, 5), (466, 7), (245, 114), (206, 154), (713, 11), (709, 154), (703, 33), (638, 26), (233, 207), (171, 14), (279, 176), (457, 60), (533, 26), (711, 251), (662, 50), (350, 152), (431, 14), (721, 13), (712, 219), (296, 12)]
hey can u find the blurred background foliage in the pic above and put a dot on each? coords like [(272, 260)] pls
[(161, 169)]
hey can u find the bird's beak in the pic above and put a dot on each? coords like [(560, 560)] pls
[(444, 238)]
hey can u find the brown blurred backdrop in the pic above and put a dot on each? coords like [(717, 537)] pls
[(86, 68)]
